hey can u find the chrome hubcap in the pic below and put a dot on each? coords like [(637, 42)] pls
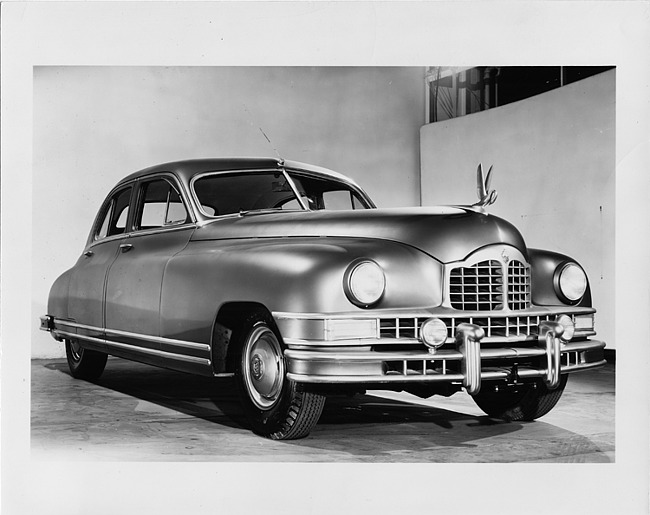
[(263, 367), (76, 351), (257, 367)]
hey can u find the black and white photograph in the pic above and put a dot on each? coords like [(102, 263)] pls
[(318, 247)]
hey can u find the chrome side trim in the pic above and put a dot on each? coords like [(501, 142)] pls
[(160, 339), (79, 336), (136, 348), (159, 353), (162, 229), (136, 336), (57, 322)]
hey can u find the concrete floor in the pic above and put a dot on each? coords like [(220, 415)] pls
[(140, 413)]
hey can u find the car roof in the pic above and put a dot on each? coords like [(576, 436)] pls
[(186, 169)]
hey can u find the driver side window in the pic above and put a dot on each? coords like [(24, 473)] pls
[(160, 206)]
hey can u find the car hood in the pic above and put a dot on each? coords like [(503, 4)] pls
[(445, 233)]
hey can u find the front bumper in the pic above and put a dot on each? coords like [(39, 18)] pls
[(473, 353)]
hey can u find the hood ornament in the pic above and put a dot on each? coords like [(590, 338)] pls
[(486, 197)]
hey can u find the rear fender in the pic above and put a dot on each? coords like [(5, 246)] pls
[(57, 303)]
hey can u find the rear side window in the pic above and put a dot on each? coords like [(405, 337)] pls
[(114, 215), (160, 206)]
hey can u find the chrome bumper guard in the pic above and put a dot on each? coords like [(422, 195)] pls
[(339, 366), (47, 323)]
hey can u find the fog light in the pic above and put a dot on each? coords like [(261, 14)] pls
[(569, 328), (433, 332)]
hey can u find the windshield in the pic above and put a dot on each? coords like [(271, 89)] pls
[(227, 193)]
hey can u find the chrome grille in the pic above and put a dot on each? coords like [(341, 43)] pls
[(494, 327), (481, 287), (478, 287), (518, 285), (399, 327)]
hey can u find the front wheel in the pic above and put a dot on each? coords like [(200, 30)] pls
[(84, 363), (276, 407), (520, 402)]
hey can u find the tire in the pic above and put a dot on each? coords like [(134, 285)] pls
[(84, 364), (522, 402), (276, 407)]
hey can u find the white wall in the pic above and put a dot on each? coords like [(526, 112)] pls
[(554, 169), (94, 125)]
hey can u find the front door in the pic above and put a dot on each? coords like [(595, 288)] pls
[(161, 229)]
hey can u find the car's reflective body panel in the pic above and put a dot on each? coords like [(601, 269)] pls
[(545, 264), (445, 233), (284, 274), (170, 295)]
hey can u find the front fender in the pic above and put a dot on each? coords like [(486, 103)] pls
[(544, 264), (303, 275)]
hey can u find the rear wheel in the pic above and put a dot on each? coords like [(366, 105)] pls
[(276, 407), (84, 363), (521, 402)]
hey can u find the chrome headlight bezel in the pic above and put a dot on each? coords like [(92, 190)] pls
[(570, 282), (364, 283)]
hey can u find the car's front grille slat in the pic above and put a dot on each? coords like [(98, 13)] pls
[(519, 326), (478, 287), (518, 285), (484, 287)]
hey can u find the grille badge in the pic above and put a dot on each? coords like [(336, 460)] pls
[(505, 257)]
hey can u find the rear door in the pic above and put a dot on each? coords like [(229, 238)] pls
[(162, 227), (88, 280)]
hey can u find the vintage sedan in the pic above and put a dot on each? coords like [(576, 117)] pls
[(287, 277)]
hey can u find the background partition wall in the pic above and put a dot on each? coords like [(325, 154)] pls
[(554, 169)]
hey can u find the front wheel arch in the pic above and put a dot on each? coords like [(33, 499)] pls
[(229, 319)]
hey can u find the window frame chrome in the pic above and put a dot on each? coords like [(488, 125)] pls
[(134, 184), (99, 219), (286, 172), (173, 181)]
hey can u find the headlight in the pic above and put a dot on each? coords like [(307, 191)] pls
[(364, 283), (572, 282)]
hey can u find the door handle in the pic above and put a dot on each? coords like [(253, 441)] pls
[(125, 247)]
